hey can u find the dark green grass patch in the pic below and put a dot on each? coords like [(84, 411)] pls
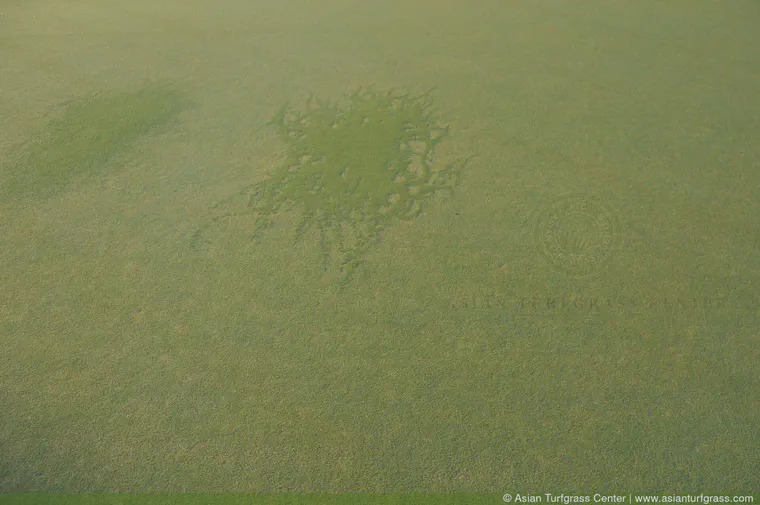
[(353, 171), (86, 139)]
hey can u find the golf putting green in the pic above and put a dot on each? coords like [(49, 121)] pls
[(244, 249)]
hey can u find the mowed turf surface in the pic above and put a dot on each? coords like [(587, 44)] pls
[(457, 358)]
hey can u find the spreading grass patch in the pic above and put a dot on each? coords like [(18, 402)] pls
[(352, 171)]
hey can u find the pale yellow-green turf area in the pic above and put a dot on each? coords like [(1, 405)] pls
[(194, 298)]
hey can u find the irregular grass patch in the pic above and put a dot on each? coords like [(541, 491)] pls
[(352, 171)]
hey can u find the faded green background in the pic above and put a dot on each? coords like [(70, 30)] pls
[(130, 362)]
